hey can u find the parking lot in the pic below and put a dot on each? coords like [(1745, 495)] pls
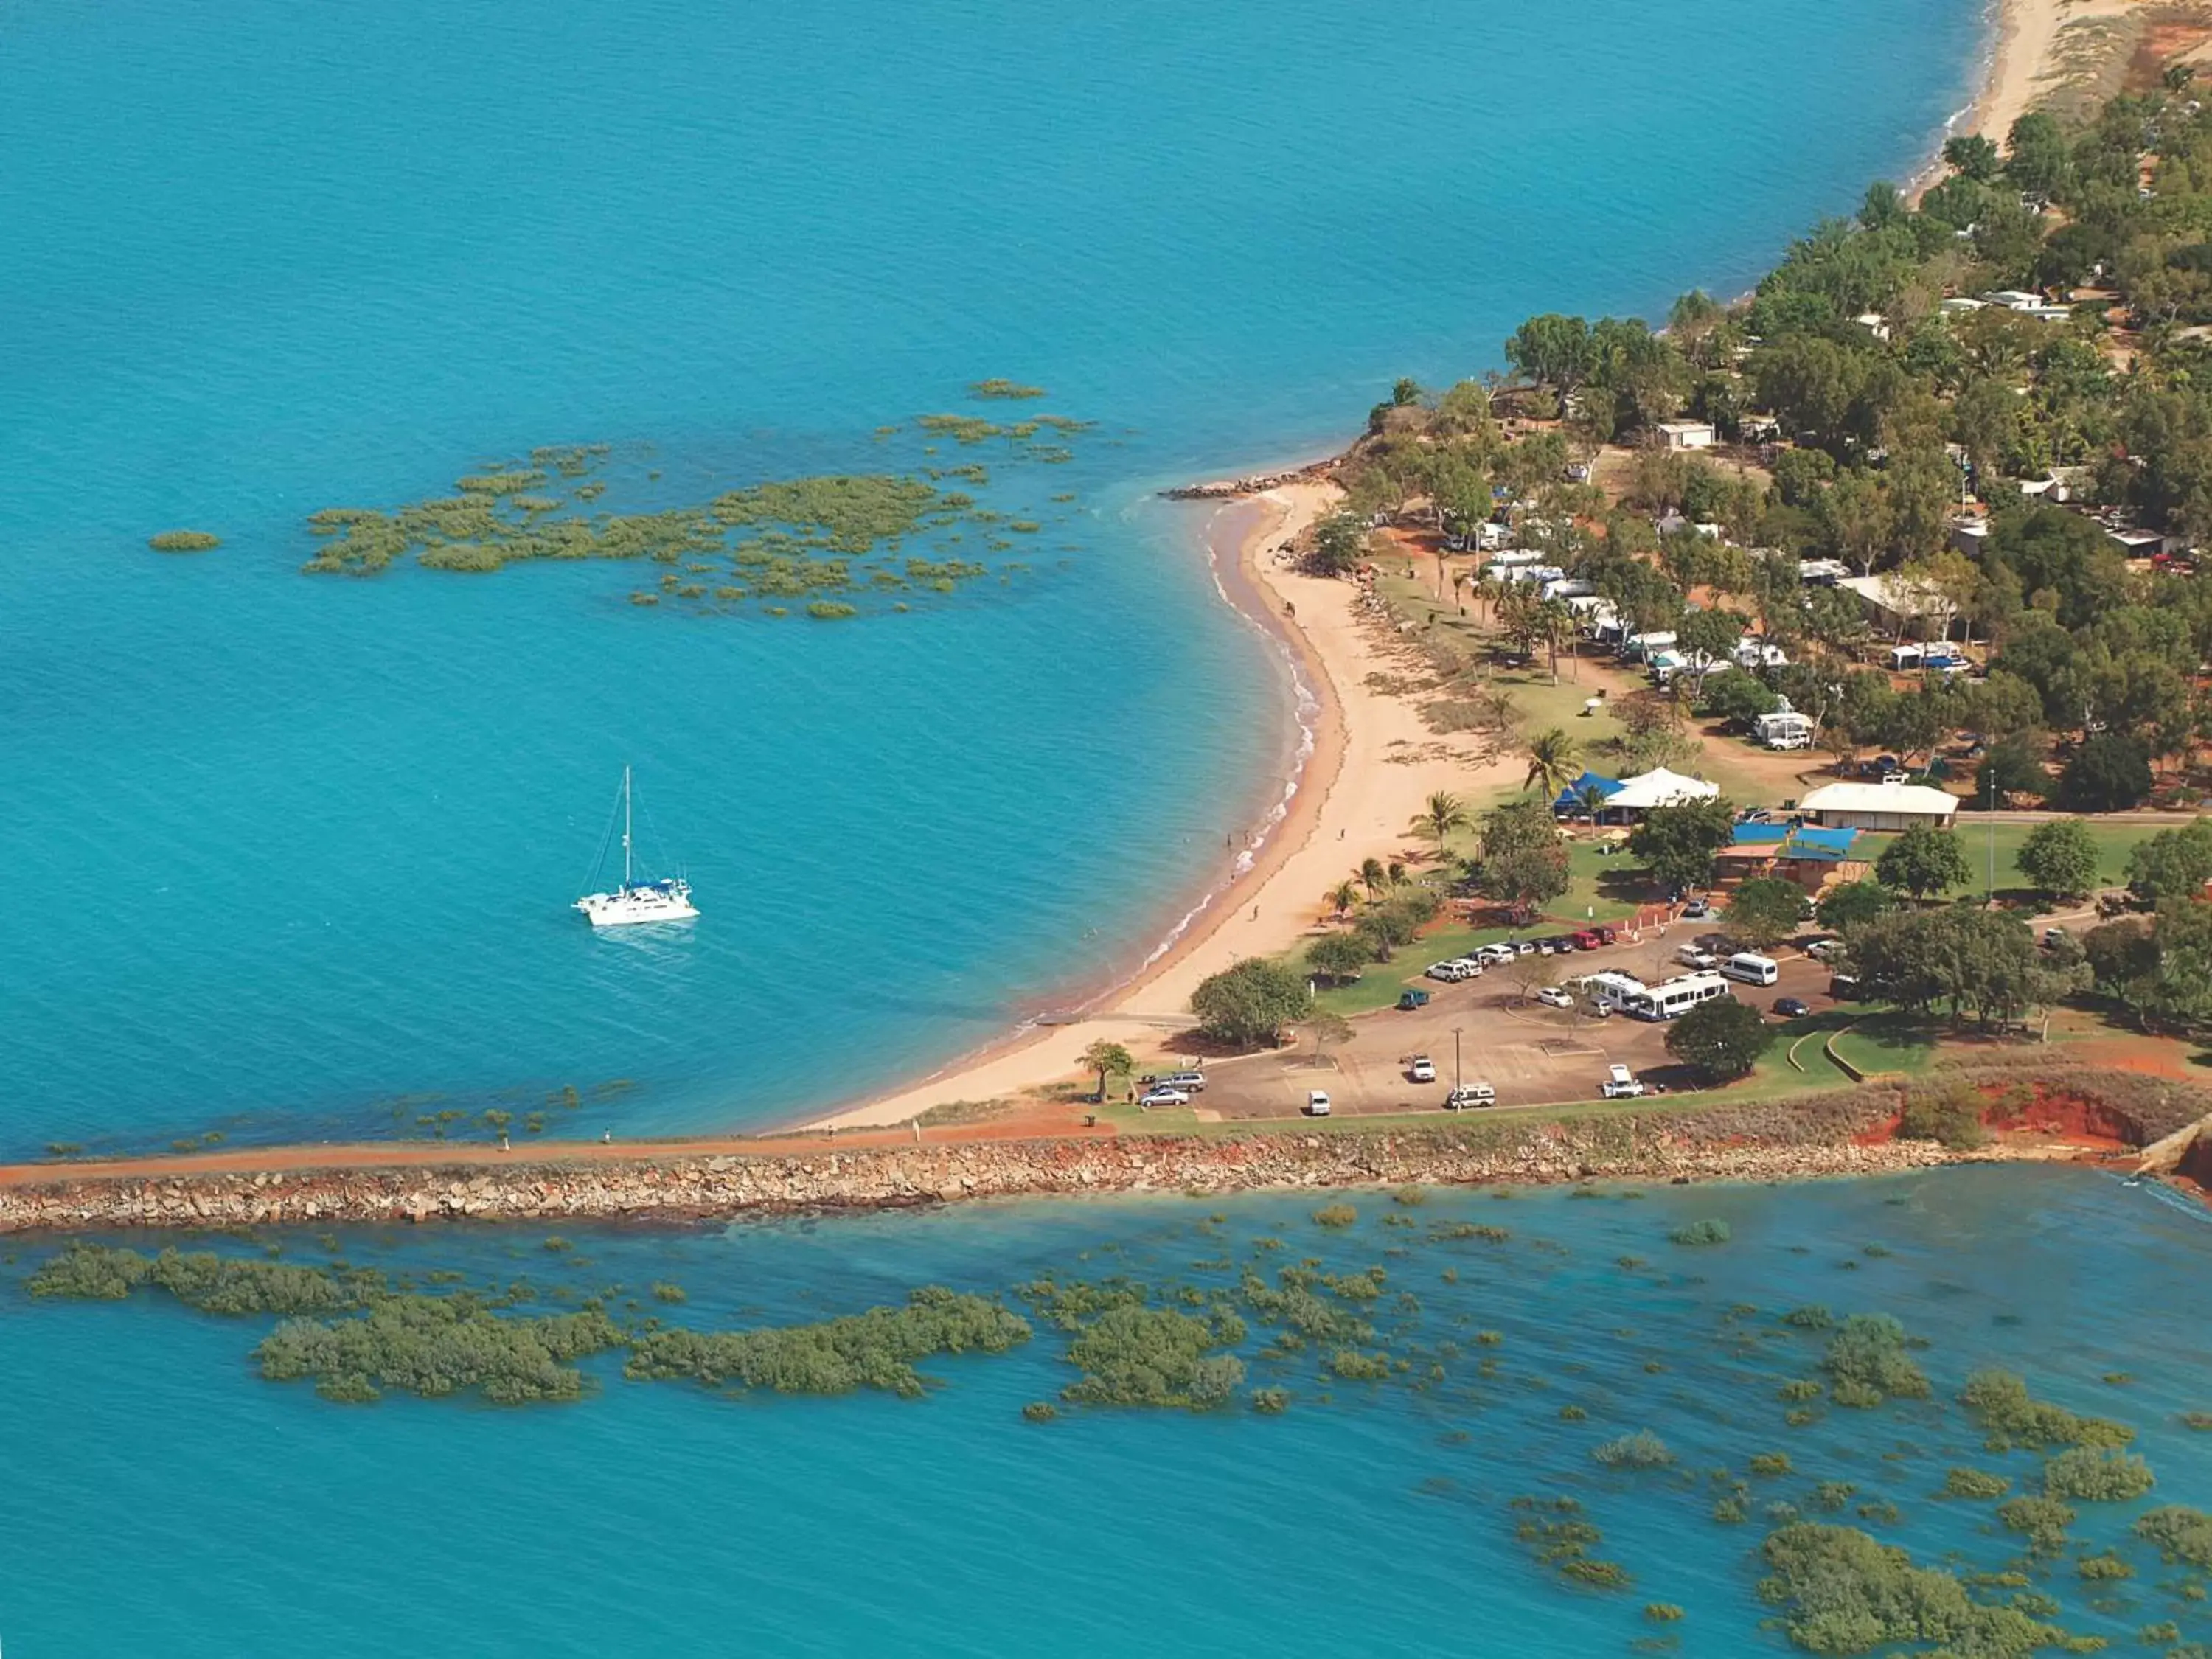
[(1530, 1054)]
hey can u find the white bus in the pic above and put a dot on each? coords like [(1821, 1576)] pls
[(1665, 1000), (1752, 968)]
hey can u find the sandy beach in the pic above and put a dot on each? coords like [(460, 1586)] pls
[(1373, 767)]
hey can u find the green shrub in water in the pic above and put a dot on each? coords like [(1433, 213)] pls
[(2104, 1566), (1710, 1231), (2000, 1404), (1866, 1357), (1357, 1367), (1974, 1483), (1336, 1215), (1844, 1592), (1640, 1451), (1040, 1411), (2043, 1521), (2096, 1474), (1271, 1402), (1770, 1464), (1661, 1612), (876, 1349), (183, 541), (2183, 1536)]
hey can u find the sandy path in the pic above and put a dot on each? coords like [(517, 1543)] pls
[(1373, 768)]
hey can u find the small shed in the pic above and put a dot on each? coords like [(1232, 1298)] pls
[(1685, 435)]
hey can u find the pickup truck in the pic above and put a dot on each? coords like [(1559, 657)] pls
[(1621, 1084)]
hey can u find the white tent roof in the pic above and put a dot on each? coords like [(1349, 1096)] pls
[(1908, 798), (1660, 788)]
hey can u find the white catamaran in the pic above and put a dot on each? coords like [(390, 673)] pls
[(667, 900)]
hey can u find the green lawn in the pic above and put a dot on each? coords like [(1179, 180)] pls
[(1980, 837)]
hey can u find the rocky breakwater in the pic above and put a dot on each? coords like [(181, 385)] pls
[(1707, 1146), (1228, 490)]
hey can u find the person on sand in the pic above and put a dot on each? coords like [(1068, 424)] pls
[(606, 1137)]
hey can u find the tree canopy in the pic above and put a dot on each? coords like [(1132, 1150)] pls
[(1723, 1038), (1250, 1002), (1678, 843), (1922, 860)]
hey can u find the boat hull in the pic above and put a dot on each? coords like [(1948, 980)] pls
[(631, 908)]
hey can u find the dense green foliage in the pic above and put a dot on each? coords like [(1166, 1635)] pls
[(1844, 1592), (1723, 1038), (1764, 911), (2060, 857), (434, 1346), (1133, 1356), (2096, 1474), (1251, 1002), (2008, 1416), (183, 541), (1678, 843), (872, 1350), (1961, 958), (2182, 1535), (822, 540), (1923, 860), (1710, 1231), (1866, 1362)]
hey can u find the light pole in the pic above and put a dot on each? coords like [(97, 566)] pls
[(1989, 808), (1457, 1078)]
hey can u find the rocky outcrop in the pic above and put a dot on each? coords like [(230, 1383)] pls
[(1658, 1149)]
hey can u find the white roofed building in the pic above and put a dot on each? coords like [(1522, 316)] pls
[(1879, 805), (1638, 795)]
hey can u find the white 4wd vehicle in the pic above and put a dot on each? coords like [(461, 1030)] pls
[(1470, 1094), (1696, 957), (1552, 997), (1621, 1084), (1421, 1069)]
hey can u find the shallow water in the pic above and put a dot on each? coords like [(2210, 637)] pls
[(157, 1495), (293, 854)]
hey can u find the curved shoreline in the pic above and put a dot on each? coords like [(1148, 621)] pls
[(1019, 1061)]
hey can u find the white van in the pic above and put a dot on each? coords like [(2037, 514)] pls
[(1316, 1103), (1752, 968)]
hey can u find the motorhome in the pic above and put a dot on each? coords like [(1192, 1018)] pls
[(1667, 1000)]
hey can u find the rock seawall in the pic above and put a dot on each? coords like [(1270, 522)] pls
[(667, 1189)]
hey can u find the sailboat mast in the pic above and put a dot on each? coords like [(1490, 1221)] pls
[(625, 826)]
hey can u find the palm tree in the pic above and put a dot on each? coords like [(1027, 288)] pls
[(1343, 896), (1556, 619), (1373, 877), (1397, 873), (1444, 814), (1553, 759)]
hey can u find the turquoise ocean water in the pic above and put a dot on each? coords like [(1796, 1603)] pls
[(292, 856), (299, 848), (158, 1499)]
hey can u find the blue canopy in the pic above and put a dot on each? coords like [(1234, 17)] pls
[(1761, 835), (1573, 797), (1811, 843)]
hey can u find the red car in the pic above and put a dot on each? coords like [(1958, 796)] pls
[(1586, 940)]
